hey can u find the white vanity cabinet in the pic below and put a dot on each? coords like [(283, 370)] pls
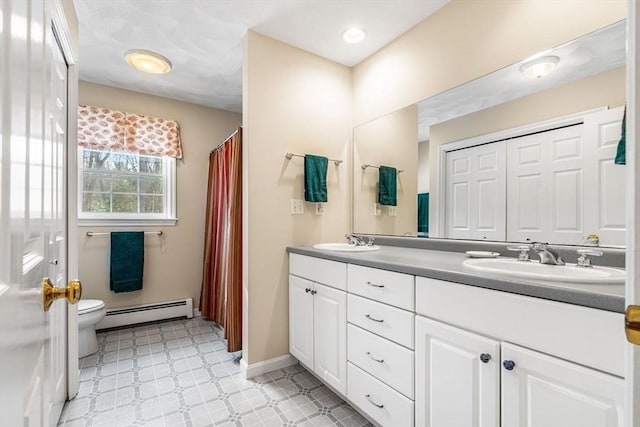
[(318, 317), (479, 373)]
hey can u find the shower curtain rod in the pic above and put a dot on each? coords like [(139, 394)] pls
[(92, 233), (217, 147), (365, 166), (290, 155)]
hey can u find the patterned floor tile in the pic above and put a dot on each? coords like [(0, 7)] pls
[(178, 374)]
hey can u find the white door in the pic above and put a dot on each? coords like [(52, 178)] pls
[(457, 377), (301, 320), (330, 336), (632, 367), (543, 391), (32, 215), (546, 186), (475, 206), (605, 187)]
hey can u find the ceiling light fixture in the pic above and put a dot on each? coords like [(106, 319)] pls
[(539, 67), (147, 61), (354, 35)]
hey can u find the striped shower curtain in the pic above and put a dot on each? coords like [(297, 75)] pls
[(221, 295)]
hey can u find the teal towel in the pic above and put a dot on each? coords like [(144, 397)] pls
[(127, 261), (387, 181), (423, 213), (621, 154), (315, 178)]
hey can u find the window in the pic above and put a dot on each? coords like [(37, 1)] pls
[(120, 188)]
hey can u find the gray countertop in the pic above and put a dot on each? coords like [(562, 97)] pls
[(448, 266)]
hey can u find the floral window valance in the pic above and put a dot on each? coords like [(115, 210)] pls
[(115, 130)]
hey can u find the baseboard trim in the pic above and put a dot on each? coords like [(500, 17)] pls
[(266, 366)]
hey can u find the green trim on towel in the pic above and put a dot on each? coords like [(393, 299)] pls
[(315, 178), (387, 182)]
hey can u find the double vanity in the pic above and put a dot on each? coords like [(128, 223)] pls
[(434, 338)]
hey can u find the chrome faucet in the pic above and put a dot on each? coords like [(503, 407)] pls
[(355, 240), (546, 254)]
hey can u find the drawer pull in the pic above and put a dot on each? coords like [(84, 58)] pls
[(368, 396), (485, 357), (373, 318), (374, 359), (374, 285)]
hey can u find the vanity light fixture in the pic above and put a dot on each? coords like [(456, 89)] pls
[(147, 61), (354, 35), (539, 67)]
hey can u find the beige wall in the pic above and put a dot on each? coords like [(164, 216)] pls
[(606, 89), (292, 101), (467, 39), (173, 263), (391, 141)]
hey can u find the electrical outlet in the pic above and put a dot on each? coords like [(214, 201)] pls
[(297, 207), (393, 210), (376, 209), (319, 208)]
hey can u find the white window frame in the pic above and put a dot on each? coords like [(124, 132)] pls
[(132, 219)]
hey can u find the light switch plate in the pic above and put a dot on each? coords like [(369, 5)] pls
[(297, 207), (319, 208), (393, 210), (377, 211)]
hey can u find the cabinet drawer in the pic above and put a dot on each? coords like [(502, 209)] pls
[(390, 363), (385, 286), (385, 405), (330, 273), (381, 319)]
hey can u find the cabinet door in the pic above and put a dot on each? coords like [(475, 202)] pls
[(301, 320), (330, 336), (543, 391), (457, 377)]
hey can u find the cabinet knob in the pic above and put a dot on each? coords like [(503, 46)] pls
[(509, 365), (307, 290), (485, 357), (314, 292)]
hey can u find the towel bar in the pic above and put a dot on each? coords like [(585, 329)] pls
[(365, 166), (290, 155), (92, 233)]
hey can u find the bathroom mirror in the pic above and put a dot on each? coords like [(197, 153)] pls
[(589, 77)]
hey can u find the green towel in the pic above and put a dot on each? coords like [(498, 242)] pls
[(127, 261), (423, 213), (387, 180), (621, 154), (315, 178)]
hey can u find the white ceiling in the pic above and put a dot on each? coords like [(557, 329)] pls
[(594, 53), (203, 38)]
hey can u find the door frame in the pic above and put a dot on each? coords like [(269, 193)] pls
[(63, 34)]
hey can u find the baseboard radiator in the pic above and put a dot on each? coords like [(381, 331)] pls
[(125, 316)]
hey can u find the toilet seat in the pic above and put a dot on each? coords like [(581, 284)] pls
[(89, 305)]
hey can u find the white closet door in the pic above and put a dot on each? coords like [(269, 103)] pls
[(605, 202), (475, 203), (545, 186)]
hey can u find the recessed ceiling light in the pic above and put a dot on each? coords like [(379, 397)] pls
[(354, 35), (147, 61), (539, 67)]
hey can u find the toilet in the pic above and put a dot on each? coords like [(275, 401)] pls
[(90, 312)]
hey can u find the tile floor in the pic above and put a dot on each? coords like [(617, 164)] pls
[(178, 373)]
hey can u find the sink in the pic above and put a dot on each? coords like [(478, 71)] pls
[(568, 273), (345, 247)]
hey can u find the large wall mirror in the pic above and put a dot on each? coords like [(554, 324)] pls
[(506, 157)]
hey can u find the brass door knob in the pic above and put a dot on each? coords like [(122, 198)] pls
[(632, 324), (72, 292)]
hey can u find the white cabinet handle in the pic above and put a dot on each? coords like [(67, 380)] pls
[(368, 396), (374, 285), (374, 319), (374, 359)]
